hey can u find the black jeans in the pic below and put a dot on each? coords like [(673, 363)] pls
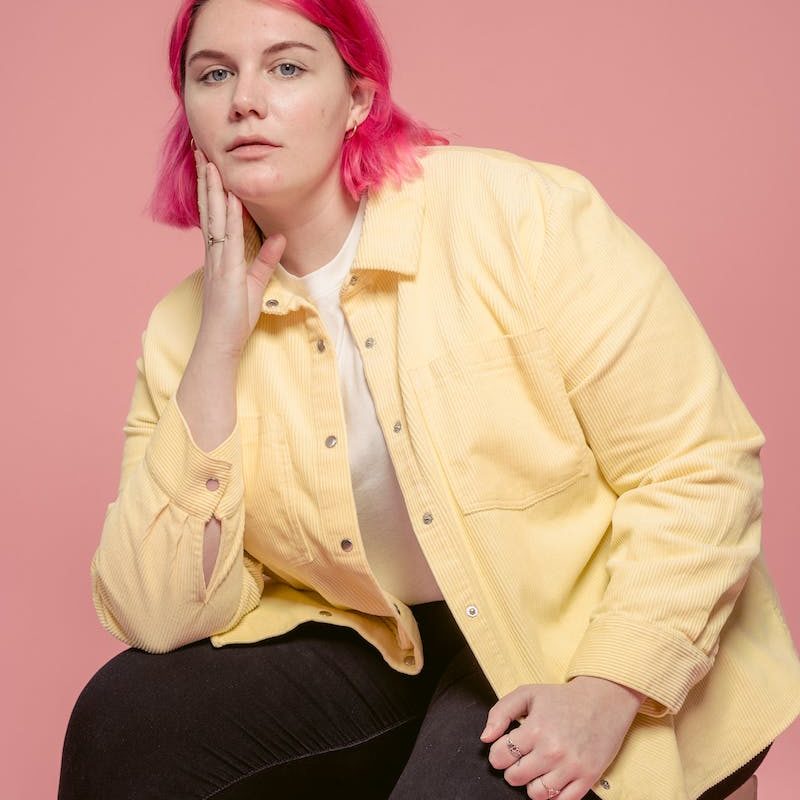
[(313, 713)]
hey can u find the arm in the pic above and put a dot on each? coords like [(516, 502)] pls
[(207, 399), (180, 508), (148, 581), (671, 437)]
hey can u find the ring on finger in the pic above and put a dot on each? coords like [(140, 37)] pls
[(515, 751), (551, 792), (212, 241)]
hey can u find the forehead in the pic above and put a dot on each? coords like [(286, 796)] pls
[(239, 23)]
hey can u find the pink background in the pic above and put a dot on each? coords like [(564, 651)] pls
[(681, 114)]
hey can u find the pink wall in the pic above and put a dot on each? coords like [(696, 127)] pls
[(680, 113)]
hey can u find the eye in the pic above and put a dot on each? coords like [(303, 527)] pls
[(205, 77), (293, 66)]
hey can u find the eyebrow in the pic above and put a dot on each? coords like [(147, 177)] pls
[(273, 48)]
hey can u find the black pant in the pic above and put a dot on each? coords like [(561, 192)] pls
[(314, 713)]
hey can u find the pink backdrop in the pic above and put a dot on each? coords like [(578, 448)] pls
[(681, 114)]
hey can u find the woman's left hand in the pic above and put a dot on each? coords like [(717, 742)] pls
[(570, 734)]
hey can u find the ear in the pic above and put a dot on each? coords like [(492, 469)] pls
[(361, 96)]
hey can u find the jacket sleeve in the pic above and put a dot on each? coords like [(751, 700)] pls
[(147, 576), (671, 437)]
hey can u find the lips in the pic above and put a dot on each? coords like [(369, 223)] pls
[(245, 140)]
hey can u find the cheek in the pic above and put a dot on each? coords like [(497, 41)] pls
[(309, 113), (209, 135), (198, 125), (332, 119)]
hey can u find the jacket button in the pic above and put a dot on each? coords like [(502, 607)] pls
[(410, 660), (330, 441), (346, 544), (272, 302), (605, 784), (427, 517), (212, 484), (321, 346), (397, 427), (325, 614), (369, 342), (353, 280), (472, 611)]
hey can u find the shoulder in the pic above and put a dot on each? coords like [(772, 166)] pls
[(478, 170)]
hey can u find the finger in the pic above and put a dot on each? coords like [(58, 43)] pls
[(234, 233), (513, 705), (503, 754), (216, 211), (202, 191), (267, 258), (537, 760), (568, 789)]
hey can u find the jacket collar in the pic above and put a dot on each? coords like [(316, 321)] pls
[(390, 234)]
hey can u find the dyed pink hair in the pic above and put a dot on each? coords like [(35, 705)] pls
[(384, 144)]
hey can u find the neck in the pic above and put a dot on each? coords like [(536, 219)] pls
[(315, 225)]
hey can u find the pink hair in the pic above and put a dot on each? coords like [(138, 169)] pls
[(384, 145)]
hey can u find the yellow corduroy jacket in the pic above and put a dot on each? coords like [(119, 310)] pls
[(579, 469)]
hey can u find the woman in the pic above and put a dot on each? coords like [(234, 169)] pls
[(517, 487)]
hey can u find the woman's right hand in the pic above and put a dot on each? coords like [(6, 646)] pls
[(232, 289)]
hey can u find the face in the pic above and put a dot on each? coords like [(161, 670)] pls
[(297, 97)]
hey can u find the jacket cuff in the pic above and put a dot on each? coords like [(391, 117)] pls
[(661, 665), (181, 469)]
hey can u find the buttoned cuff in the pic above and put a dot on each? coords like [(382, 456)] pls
[(188, 474), (652, 660)]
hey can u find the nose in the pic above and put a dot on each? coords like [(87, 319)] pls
[(249, 95)]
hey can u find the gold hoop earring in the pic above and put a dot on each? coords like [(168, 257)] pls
[(192, 143), (352, 133)]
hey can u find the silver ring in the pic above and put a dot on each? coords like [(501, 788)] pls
[(550, 792), (515, 751), (213, 241)]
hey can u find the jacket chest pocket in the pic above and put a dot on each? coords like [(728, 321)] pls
[(273, 531), (500, 421)]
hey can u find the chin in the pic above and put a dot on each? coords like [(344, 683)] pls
[(253, 183)]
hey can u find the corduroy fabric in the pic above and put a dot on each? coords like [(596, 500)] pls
[(582, 476)]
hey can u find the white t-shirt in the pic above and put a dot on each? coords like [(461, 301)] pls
[(392, 550)]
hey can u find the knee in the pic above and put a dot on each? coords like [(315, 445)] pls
[(107, 725), (118, 688), (93, 715)]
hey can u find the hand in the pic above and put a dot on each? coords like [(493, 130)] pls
[(232, 290), (570, 733)]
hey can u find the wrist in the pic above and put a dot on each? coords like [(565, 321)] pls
[(208, 351), (630, 696)]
